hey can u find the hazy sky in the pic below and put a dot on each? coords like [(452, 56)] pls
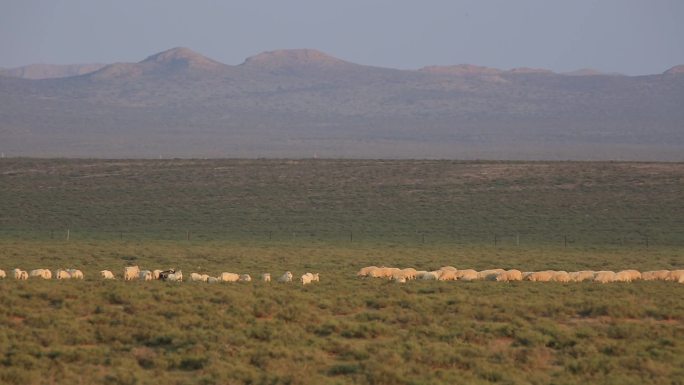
[(627, 36)]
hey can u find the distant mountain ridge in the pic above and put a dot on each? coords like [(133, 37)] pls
[(49, 71), (182, 57), (294, 103)]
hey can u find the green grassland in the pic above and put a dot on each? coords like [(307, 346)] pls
[(333, 217)]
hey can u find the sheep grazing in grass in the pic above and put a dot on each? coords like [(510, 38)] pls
[(164, 274), (131, 273), (447, 274), (420, 274), (509, 275), (627, 276), (229, 277), (676, 275), (409, 273), (561, 276), (656, 275), (431, 275), (489, 275), (204, 277), (466, 275), (176, 276), (541, 276), (145, 275), (75, 273), (383, 272), (245, 278), (604, 276), (20, 274), (266, 277), (62, 274), (212, 280), (106, 274), (581, 276), (306, 279), (156, 274), (41, 273), (3, 275), (365, 271), (287, 277), (195, 277)]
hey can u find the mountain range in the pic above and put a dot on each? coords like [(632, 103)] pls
[(303, 103)]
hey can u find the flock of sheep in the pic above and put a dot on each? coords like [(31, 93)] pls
[(450, 273), (446, 273), (132, 273)]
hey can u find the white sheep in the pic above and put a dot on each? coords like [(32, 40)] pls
[(448, 274), (3, 275), (676, 275), (509, 275), (20, 274), (145, 275), (106, 274), (306, 278), (540, 276), (195, 277), (287, 277), (266, 277), (409, 273), (466, 275), (62, 274), (581, 276), (156, 274), (212, 280), (75, 273), (432, 275), (561, 276), (245, 278), (604, 276), (131, 273), (365, 271), (627, 276), (229, 277), (657, 275), (489, 275), (41, 273), (173, 277)]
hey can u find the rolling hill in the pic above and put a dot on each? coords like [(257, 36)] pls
[(301, 103)]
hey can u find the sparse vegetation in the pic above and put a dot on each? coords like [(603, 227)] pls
[(343, 330)]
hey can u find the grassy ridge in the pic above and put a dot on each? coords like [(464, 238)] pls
[(338, 200)]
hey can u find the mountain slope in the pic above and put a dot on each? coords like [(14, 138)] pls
[(294, 103), (49, 71)]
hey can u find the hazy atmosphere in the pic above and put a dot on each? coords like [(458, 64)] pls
[(624, 36)]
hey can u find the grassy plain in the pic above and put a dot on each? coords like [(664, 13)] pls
[(242, 216)]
